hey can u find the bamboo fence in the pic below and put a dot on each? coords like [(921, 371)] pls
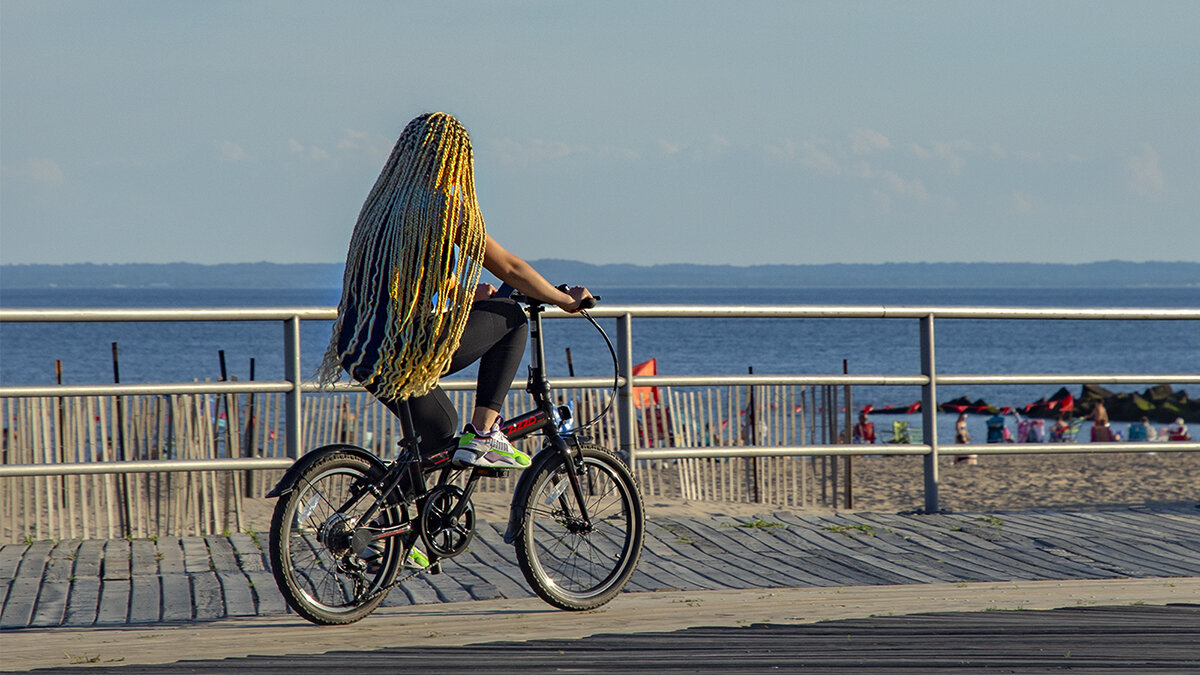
[(185, 426)]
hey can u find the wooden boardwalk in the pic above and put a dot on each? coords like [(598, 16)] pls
[(118, 582)]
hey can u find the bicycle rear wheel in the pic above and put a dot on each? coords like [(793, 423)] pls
[(573, 564), (312, 553)]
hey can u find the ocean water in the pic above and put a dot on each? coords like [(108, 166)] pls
[(182, 352)]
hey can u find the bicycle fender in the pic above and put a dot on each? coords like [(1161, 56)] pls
[(288, 482), (516, 510)]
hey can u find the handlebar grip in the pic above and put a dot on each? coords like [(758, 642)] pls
[(586, 303)]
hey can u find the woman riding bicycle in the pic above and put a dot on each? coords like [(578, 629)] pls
[(406, 317)]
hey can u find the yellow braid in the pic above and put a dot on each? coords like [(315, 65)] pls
[(406, 286)]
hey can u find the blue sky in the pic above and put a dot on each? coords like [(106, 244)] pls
[(648, 132)]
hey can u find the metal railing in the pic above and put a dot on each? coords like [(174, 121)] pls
[(928, 379)]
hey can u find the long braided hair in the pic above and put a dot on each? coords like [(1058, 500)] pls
[(415, 257)]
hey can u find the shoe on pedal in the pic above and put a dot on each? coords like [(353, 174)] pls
[(415, 559), (489, 450)]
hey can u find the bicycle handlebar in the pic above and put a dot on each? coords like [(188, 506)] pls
[(506, 291)]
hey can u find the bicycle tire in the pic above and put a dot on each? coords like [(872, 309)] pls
[(316, 571), (566, 565)]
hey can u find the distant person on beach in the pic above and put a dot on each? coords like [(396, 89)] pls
[(864, 431), (1101, 433), (1142, 430), (997, 432), (411, 310), (1099, 414), (1178, 431), (1058, 433), (962, 437)]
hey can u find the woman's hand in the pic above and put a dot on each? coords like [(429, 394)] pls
[(484, 292), (578, 294)]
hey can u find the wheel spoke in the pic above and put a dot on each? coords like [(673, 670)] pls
[(318, 573), (570, 563)]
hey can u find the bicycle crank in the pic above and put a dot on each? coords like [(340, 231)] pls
[(447, 521)]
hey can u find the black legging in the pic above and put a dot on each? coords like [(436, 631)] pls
[(495, 336)]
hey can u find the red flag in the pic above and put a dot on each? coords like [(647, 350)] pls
[(1068, 404), (645, 396)]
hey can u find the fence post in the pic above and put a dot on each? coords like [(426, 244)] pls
[(627, 434), (291, 373), (929, 414)]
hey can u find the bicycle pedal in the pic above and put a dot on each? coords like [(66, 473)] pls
[(434, 568), (490, 472)]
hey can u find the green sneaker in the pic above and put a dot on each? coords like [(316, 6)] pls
[(488, 450), (416, 560)]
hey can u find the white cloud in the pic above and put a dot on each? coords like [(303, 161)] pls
[(36, 170), (317, 153), (42, 170), (231, 151), (711, 148), (1145, 176), (947, 151), (808, 154), (669, 148), (866, 141), (912, 188), (296, 146)]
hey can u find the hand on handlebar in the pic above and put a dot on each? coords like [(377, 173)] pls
[(581, 297), (484, 291)]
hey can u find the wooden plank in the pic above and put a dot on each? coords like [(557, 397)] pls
[(220, 554), (448, 590), (209, 603), (116, 559), (114, 601), (23, 592), (10, 560), (882, 567), (61, 565), (236, 591), (169, 551), (143, 558), (195, 554), (83, 601), (1159, 524), (145, 600), (51, 603), (176, 597), (730, 547), (714, 571), (250, 557), (268, 600)]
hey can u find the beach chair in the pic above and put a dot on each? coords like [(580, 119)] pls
[(900, 432), (995, 429), (1138, 432), (1023, 429), (1071, 433), (1037, 432)]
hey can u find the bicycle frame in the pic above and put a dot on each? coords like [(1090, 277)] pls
[(544, 417)]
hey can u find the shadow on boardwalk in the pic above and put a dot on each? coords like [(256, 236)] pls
[(118, 582)]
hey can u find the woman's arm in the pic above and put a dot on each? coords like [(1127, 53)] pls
[(514, 271)]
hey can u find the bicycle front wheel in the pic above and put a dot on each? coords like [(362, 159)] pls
[(312, 552), (570, 562)]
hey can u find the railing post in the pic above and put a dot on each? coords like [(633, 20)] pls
[(929, 413), (627, 436), (291, 373)]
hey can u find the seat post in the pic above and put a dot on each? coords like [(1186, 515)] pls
[(410, 439)]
